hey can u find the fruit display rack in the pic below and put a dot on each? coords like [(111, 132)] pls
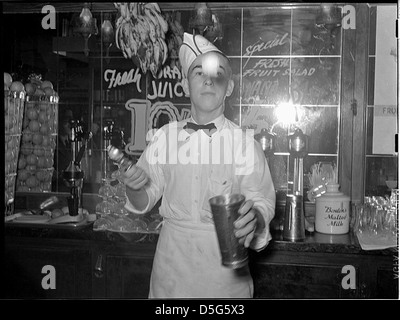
[(13, 115), (38, 138)]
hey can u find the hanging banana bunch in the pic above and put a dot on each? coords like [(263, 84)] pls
[(140, 35), (174, 37)]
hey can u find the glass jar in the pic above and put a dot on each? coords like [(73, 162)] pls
[(332, 214), (38, 143)]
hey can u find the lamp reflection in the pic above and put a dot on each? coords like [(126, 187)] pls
[(201, 18), (86, 25), (205, 23), (86, 15), (107, 34), (329, 17), (288, 113)]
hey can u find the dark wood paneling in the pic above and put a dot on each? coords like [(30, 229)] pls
[(387, 283), (23, 265), (128, 276), (278, 273), (299, 282)]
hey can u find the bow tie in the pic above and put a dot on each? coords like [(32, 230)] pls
[(207, 128)]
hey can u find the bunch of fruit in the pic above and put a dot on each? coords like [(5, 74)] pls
[(174, 37), (140, 34), (14, 98), (39, 137)]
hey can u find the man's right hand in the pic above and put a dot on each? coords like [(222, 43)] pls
[(135, 177)]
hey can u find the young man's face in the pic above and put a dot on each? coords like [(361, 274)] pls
[(209, 82)]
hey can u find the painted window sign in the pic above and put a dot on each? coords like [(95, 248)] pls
[(167, 86), (140, 129), (148, 100), (314, 81)]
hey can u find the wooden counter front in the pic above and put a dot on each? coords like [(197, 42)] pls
[(92, 264)]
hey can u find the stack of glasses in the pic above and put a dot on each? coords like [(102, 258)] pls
[(107, 193), (377, 217), (113, 196), (112, 212)]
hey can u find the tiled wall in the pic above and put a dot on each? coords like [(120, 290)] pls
[(276, 53)]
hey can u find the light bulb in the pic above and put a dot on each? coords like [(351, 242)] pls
[(106, 27), (286, 113), (107, 31), (86, 15)]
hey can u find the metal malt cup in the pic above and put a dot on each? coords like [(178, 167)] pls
[(294, 223), (224, 209)]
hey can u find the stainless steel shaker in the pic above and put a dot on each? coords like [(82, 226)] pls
[(294, 223), (224, 209)]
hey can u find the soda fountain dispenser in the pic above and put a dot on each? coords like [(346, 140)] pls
[(267, 141), (108, 131), (83, 136), (298, 149), (73, 175), (294, 222)]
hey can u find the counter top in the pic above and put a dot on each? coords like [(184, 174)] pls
[(314, 242)]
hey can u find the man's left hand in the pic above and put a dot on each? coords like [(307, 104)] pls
[(247, 223)]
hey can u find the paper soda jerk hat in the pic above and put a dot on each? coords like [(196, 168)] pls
[(191, 48)]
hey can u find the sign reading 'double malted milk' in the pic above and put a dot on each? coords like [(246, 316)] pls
[(150, 99)]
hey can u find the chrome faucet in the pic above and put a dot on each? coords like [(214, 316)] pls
[(73, 174)]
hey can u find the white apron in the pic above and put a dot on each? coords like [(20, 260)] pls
[(187, 264)]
